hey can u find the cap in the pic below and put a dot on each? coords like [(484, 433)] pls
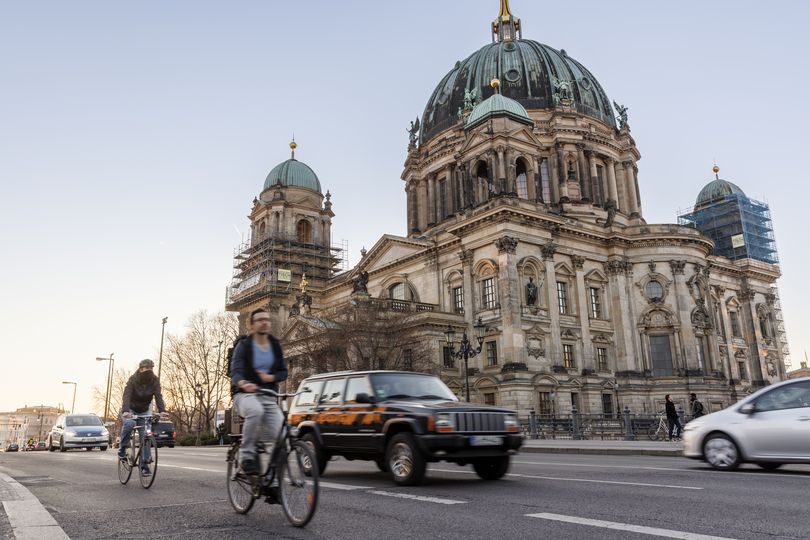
[(146, 363)]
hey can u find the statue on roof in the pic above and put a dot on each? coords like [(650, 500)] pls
[(470, 97), (360, 283), (562, 91), (413, 132), (622, 110)]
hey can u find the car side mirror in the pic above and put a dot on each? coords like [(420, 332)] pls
[(362, 397), (109, 424), (748, 408)]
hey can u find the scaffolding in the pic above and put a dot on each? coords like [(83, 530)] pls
[(740, 227), (272, 266), (781, 334)]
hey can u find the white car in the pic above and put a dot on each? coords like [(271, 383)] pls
[(78, 431), (770, 428)]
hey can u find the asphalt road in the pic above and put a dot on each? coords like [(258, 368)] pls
[(544, 496)]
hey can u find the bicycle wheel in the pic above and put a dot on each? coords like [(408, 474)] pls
[(125, 466), (148, 480), (240, 488), (653, 431), (298, 484)]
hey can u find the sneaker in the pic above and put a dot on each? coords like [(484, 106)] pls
[(249, 466), (145, 471), (272, 495)]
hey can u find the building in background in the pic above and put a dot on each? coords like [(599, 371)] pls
[(525, 222), (27, 423)]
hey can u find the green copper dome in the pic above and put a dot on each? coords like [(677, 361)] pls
[(717, 189), (497, 105), (293, 173)]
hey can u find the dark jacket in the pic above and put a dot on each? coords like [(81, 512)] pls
[(671, 412), (138, 395), (242, 365), (697, 409)]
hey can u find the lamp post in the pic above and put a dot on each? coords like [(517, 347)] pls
[(466, 350), (199, 393), (109, 382), (74, 394), (218, 376), (160, 355)]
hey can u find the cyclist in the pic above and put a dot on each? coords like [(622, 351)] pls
[(141, 387), (257, 362)]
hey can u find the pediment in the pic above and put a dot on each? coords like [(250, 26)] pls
[(597, 276), (390, 249)]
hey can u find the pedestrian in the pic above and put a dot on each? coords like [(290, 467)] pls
[(672, 418), (697, 406)]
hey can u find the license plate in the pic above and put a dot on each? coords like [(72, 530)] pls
[(486, 441), (88, 439)]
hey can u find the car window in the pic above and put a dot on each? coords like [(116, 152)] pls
[(355, 386), (333, 392), (84, 420), (405, 386), (309, 396), (789, 396)]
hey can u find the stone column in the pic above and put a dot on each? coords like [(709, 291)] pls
[(553, 184), (597, 198), (613, 192), (684, 303), (616, 270), (584, 177), (431, 199), (466, 257), (554, 345), (538, 180), (630, 189), (586, 353), (512, 345), (562, 173), (753, 337), (531, 178), (423, 204)]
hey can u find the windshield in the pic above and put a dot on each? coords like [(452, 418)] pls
[(405, 386), (83, 420)]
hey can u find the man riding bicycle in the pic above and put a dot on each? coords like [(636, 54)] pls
[(138, 393), (257, 362)]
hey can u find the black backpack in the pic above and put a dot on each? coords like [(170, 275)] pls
[(697, 409), (229, 354)]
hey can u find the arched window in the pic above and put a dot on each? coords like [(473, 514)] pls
[(262, 229), (304, 231), (396, 291), (545, 183), (521, 185), (484, 184)]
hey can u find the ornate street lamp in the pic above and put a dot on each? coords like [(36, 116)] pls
[(466, 350)]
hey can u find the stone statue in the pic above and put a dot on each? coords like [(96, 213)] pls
[(610, 207), (469, 99), (361, 283), (531, 293), (562, 91), (413, 132), (622, 110)]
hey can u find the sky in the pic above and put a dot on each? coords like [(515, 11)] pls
[(134, 136)]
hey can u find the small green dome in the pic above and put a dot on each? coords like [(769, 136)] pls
[(717, 189), (497, 105), (293, 173)]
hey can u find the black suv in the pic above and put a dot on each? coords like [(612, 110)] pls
[(402, 420)]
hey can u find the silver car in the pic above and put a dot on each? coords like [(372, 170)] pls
[(770, 428), (78, 431)]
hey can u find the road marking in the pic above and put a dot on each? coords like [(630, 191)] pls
[(599, 466), (344, 487), (652, 531), (161, 465), (588, 480), (437, 500)]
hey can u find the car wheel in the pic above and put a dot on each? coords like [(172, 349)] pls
[(89, 448), (102, 448), (721, 452), (321, 458), (491, 468), (769, 465), (405, 461), (382, 464), (50, 445), (62, 445)]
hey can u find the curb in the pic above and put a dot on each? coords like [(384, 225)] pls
[(603, 451), (28, 518)]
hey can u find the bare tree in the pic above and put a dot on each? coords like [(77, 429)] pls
[(194, 381), (120, 376), (367, 335)]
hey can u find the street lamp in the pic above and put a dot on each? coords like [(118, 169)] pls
[(160, 356), (199, 393), (109, 382), (466, 349), (74, 394)]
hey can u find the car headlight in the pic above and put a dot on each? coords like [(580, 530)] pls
[(693, 425), (70, 432), (444, 423), (511, 424), (105, 433)]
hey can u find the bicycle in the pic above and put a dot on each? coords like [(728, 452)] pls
[(290, 464), (135, 451), (660, 430)]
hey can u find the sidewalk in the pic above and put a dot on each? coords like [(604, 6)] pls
[(600, 447), (22, 516)]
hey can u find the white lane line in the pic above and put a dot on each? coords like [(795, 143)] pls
[(437, 500), (161, 465), (602, 466), (652, 531), (587, 480), (344, 487)]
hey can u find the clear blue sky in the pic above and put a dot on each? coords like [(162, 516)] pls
[(134, 136)]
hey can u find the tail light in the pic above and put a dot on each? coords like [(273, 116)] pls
[(511, 424), (444, 423)]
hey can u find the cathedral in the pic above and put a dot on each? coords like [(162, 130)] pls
[(526, 232)]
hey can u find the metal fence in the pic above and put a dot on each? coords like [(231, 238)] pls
[(626, 426)]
